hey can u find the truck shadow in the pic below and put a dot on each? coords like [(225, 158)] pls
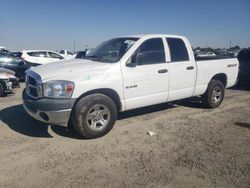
[(241, 124), (193, 102), (16, 118), (144, 110), (242, 85)]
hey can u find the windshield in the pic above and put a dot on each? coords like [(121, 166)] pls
[(111, 50)]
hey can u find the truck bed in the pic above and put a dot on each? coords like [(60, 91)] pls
[(212, 58), (207, 68)]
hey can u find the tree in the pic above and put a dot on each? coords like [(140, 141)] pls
[(235, 48)]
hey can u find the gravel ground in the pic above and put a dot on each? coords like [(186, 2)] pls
[(193, 147)]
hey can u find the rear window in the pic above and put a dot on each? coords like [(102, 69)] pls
[(69, 53), (178, 50)]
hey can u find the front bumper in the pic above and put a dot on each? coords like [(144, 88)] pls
[(52, 111)]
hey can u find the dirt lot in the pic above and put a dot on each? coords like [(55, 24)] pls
[(193, 147)]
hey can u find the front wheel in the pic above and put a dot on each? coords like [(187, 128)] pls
[(214, 94), (94, 115)]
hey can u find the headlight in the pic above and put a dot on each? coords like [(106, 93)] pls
[(58, 89)]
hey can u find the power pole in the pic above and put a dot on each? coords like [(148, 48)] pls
[(74, 45), (230, 44)]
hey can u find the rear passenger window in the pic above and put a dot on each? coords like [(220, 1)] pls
[(151, 52), (178, 50), (41, 54), (33, 54), (37, 54)]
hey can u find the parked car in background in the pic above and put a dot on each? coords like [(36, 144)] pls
[(244, 72), (206, 54), (87, 50), (17, 65), (67, 54), (8, 81), (40, 57), (3, 50), (15, 54), (81, 55), (123, 74)]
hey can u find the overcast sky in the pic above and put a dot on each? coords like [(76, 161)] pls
[(55, 24)]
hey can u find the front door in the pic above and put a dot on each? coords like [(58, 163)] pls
[(146, 75)]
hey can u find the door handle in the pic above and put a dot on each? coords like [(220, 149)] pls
[(190, 67), (162, 71)]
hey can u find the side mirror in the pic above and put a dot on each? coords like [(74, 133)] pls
[(21, 63), (132, 61)]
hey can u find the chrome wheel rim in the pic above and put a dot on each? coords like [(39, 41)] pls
[(98, 117), (216, 94)]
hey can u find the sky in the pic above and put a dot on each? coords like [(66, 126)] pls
[(56, 24)]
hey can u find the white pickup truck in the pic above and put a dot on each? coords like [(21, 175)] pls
[(122, 74)]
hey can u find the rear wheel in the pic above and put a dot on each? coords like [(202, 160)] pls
[(94, 115), (214, 94), (1, 90)]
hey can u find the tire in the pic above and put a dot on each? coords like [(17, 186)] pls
[(214, 94), (94, 116), (1, 90)]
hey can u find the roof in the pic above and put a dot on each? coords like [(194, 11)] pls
[(153, 35)]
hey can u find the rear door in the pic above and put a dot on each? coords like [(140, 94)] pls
[(182, 70)]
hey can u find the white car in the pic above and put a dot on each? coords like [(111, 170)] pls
[(67, 54), (147, 70), (40, 57), (208, 54)]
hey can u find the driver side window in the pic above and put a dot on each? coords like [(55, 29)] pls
[(150, 52)]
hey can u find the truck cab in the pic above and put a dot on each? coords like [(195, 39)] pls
[(122, 74)]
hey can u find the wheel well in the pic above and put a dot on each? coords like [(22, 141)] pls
[(105, 91), (221, 77)]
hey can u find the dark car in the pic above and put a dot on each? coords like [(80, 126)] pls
[(81, 55), (15, 54), (244, 60), (17, 65)]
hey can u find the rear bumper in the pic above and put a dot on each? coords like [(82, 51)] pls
[(52, 111)]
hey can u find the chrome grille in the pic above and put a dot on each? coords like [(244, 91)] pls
[(33, 85)]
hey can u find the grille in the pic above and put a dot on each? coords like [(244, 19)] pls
[(33, 88), (32, 81)]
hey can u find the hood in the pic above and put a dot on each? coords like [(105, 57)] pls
[(6, 71), (6, 74), (69, 69)]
